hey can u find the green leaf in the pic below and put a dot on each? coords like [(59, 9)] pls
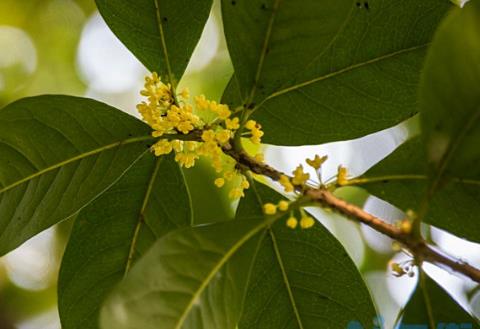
[(447, 175), (402, 180), (162, 34), (301, 278), (191, 278), (110, 234), (58, 153), (430, 306), (450, 98), (335, 70)]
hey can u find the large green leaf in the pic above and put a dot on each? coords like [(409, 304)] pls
[(449, 175), (162, 34), (57, 154), (113, 231), (301, 279), (402, 179), (191, 278), (335, 70), (450, 97), (431, 306)]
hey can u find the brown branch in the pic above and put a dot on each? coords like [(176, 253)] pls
[(417, 246)]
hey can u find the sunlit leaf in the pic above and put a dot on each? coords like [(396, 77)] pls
[(402, 179), (191, 278), (299, 278), (430, 306), (112, 232), (450, 99), (160, 33), (58, 153), (446, 175), (317, 71)]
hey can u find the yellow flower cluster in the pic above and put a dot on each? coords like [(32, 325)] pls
[(255, 131), (305, 221), (170, 114), (162, 112), (292, 222), (300, 177), (271, 209)]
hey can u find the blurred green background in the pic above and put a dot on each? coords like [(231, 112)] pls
[(64, 47)]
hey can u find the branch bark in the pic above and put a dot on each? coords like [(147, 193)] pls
[(324, 198)]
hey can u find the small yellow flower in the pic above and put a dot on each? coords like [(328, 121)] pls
[(250, 124), (186, 160), (223, 111), (208, 136), (292, 222), (162, 147), (177, 145), (229, 175), (287, 185), (232, 124), (185, 94), (406, 226), (244, 184), (283, 205), (201, 102), (316, 162), (219, 182), (342, 174), (299, 177), (223, 136), (256, 136), (236, 193), (269, 209), (259, 157), (185, 127), (306, 221), (190, 146)]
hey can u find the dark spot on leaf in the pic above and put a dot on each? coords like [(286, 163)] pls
[(251, 106), (385, 181), (359, 5), (129, 135), (263, 6), (267, 50), (233, 3), (365, 4), (165, 19)]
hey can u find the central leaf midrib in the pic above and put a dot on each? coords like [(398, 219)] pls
[(339, 72), (444, 162), (291, 298), (141, 215), (163, 42), (263, 51), (74, 159), (406, 177), (219, 265)]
